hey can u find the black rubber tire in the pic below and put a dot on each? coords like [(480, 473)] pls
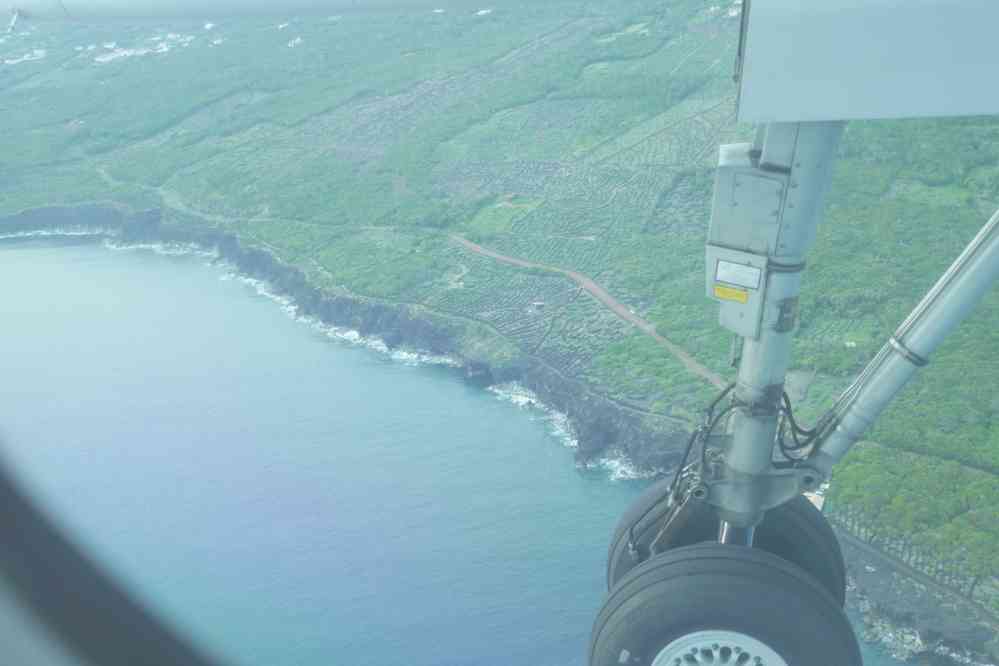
[(795, 531), (713, 586)]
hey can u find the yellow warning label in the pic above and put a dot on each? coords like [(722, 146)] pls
[(731, 294)]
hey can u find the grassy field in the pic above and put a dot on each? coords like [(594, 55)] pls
[(577, 135)]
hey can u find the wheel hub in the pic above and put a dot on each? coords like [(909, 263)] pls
[(718, 647)]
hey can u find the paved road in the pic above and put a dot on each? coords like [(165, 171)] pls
[(617, 307)]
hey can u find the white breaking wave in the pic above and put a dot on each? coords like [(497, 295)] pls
[(163, 44), (560, 426), (617, 467), (348, 335), (620, 469), (419, 358), (165, 249), (515, 393), (558, 423), (959, 657), (37, 54), (265, 289), (60, 231)]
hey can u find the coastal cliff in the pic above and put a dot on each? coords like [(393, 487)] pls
[(601, 427)]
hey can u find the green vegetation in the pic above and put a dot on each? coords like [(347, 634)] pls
[(939, 507), (570, 134), (497, 216), (643, 374)]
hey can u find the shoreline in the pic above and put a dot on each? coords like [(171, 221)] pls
[(626, 445), (601, 427)]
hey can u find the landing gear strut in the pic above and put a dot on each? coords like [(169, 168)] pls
[(768, 587)]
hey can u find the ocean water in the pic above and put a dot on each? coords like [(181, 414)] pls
[(286, 496)]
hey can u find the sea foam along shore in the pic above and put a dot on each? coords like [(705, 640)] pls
[(343, 334), (558, 423), (73, 231), (598, 423), (286, 303), (614, 464)]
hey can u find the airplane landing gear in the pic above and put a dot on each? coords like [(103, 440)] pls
[(722, 647), (732, 565), (715, 603), (795, 531)]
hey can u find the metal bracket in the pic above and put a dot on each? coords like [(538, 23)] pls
[(906, 353), (728, 488), (787, 315)]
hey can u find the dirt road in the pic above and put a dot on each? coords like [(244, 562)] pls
[(618, 308)]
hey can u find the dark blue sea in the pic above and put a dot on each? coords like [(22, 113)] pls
[(285, 495)]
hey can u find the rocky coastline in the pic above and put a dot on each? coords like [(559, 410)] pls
[(908, 620), (912, 618), (596, 420)]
